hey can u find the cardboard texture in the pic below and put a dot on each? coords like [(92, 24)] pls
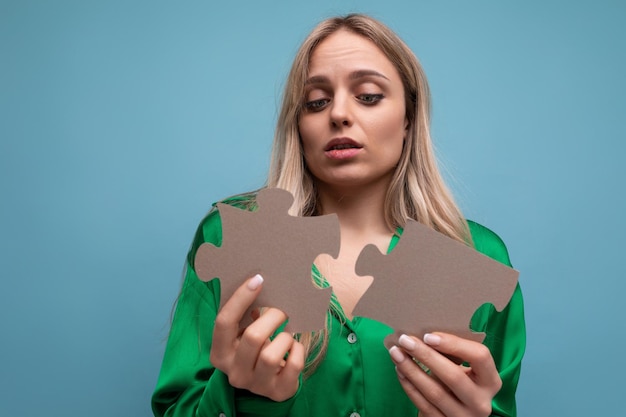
[(281, 248), (430, 282)]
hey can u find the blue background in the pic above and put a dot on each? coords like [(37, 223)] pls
[(122, 121)]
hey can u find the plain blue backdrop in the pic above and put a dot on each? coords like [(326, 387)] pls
[(122, 121)]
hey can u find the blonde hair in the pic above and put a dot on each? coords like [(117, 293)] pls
[(417, 189)]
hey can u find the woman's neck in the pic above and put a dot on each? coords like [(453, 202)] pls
[(361, 210), (361, 221)]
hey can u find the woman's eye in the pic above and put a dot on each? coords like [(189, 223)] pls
[(370, 98), (316, 105)]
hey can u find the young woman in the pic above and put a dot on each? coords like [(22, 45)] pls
[(352, 139)]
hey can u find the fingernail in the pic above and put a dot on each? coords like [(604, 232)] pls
[(400, 374), (255, 282), (396, 354), (406, 342), (432, 339)]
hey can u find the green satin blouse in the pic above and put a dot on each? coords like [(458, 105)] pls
[(356, 378)]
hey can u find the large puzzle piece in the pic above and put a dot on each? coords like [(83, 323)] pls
[(278, 246), (430, 282)]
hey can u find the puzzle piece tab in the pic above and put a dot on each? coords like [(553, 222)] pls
[(278, 246), (430, 282)]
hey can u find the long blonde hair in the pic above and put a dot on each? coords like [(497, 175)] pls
[(417, 189)]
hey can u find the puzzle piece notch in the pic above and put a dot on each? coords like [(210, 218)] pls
[(437, 284), (278, 246)]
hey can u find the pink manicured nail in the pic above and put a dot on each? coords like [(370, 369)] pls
[(400, 374), (432, 339), (396, 354), (255, 282), (406, 342)]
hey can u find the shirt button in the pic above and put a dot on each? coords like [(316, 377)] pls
[(351, 340), (355, 414)]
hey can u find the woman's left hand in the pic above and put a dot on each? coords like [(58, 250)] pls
[(448, 389)]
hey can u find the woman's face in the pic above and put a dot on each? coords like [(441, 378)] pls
[(353, 124)]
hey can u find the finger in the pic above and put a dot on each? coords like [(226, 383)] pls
[(288, 378), (427, 390), (256, 337), (452, 376), (271, 359), (226, 328), (484, 370), (283, 374), (294, 364), (448, 373), (427, 409)]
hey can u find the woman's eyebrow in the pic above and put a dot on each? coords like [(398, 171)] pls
[(366, 73), (354, 75), (317, 79)]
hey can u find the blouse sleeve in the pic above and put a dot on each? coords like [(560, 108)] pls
[(188, 384), (505, 330)]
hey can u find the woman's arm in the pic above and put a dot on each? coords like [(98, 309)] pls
[(189, 383), (487, 386)]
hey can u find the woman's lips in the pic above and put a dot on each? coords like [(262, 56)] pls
[(346, 153), (342, 148)]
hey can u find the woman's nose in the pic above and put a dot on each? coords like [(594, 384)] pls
[(340, 112)]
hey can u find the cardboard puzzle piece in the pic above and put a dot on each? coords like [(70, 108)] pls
[(430, 282), (281, 248)]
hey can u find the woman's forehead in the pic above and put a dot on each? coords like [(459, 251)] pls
[(344, 50)]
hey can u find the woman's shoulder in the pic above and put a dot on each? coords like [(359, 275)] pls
[(210, 227), (244, 201), (488, 242)]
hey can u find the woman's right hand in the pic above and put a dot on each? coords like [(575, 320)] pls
[(251, 360)]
